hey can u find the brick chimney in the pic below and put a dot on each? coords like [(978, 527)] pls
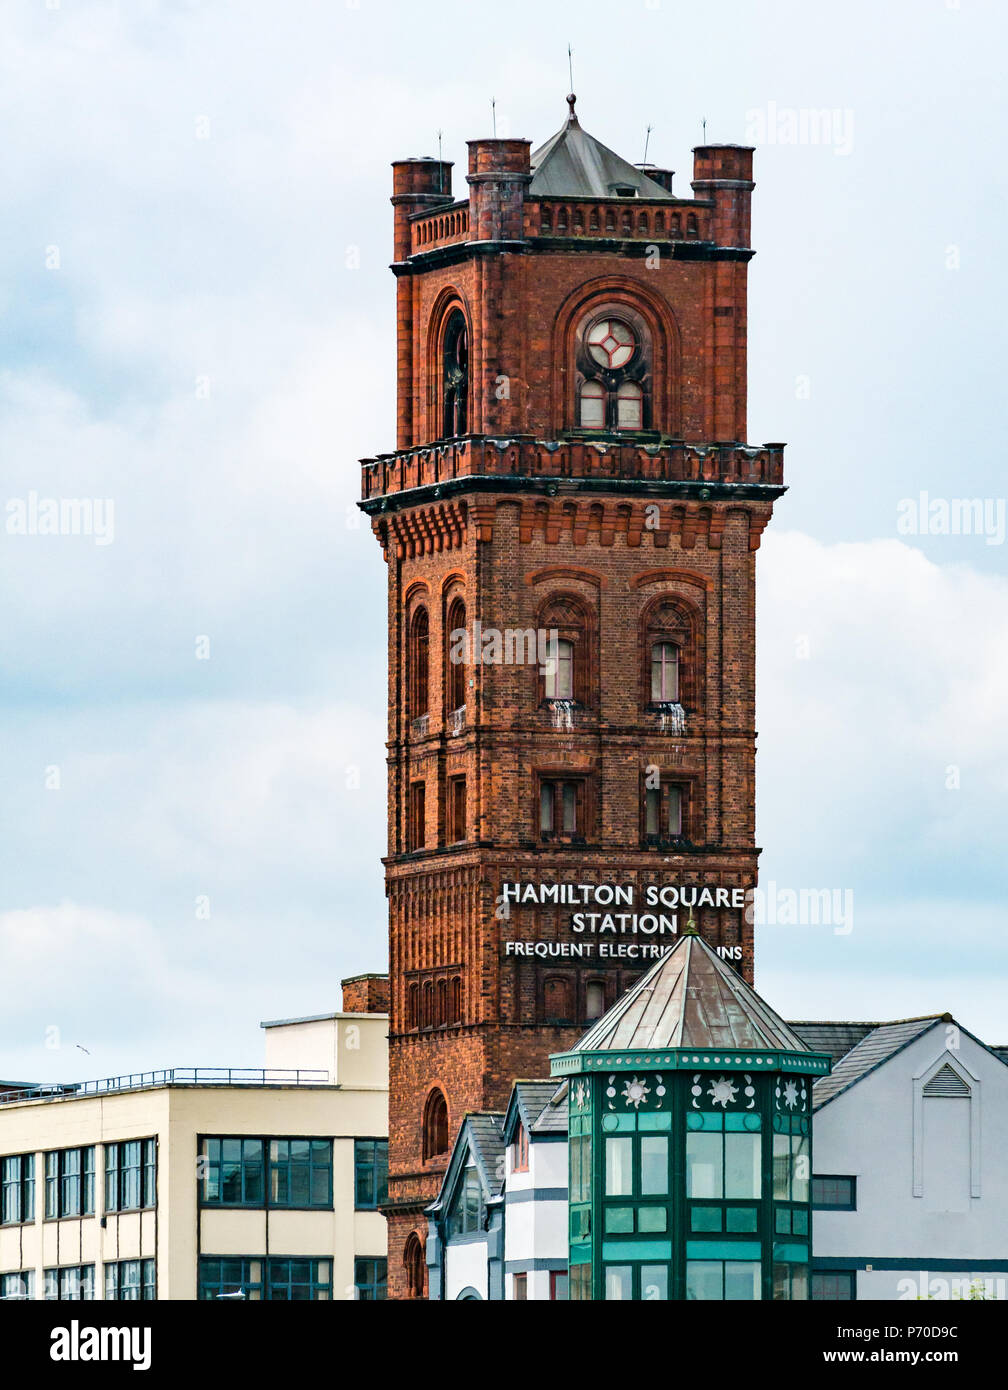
[(366, 994)]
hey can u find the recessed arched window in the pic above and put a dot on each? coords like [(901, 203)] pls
[(413, 1264), (557, 999), (435, 1125), (612, 363), (455, 680), (664, 673), (567, 672), (413, 1007), (456, 1000), (559, 671), (428, 1004), (594, 1000), (417, 671), (455, 375), (442, 1003)]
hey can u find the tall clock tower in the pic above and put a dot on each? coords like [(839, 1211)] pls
[(570, 520)]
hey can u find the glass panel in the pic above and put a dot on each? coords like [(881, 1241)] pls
[(569, 808), (704, 1279), (801, 1168), (592, 405), (781, 1166), (651, 811), (703, 1165), (654, 1282), (742, 1165), (675, 811), (618, 1282), (742, 1280), (652, 1219), (705, 1219), (619, 1220), (619, 1167), (740, 1219), (630, 406), (654, 1165), (546, 808)]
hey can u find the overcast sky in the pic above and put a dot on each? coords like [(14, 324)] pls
[(197, 323)]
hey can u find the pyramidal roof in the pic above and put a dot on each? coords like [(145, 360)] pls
[(691, 999), (573, 164)]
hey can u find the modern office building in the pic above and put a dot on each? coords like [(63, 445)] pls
[(208, 1183)]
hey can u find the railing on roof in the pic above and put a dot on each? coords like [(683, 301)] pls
[(476, 455), (174, 1076), (627, 218)]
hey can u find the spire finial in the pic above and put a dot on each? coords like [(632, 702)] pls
[(572, 118)]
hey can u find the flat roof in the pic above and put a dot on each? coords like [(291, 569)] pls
[(320, 1018)]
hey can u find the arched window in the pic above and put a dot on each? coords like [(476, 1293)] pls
[(435, 1125), (567, 672), (413, 1007), (559, 671), (556, 999), (612, 362), (664, 673), (442, 1003), (455, 375), (594, 1000), (417, 664), (428, 1004), (456, 1000), (672, 656), (455, 681), (413, 1263)]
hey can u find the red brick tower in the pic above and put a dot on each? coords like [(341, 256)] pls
[(570, 461)]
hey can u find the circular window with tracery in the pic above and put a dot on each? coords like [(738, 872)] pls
[(611, 343)]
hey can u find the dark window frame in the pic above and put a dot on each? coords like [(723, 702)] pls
[(375, 1165), (371, 1277), (119, 1180), (846, 1276), (67, 1172), (819, 1205), (21, 1189)]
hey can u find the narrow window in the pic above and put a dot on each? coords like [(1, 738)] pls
[(521, 1287), (559, 677), (561, 809), (455, 375), (457, 810), (417, 828), (629, 406), (594, 1001), (520, 1154), (664, 673), (435, 1127), (456, 669), (592, 406), (418, 671), (456, 999), (413, 1007)]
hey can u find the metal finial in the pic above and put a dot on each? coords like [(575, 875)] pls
[(570, 102), (493, 110), (704, 124), (647, 137)]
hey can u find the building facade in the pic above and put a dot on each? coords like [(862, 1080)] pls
[(570, 521), (206, 1184)]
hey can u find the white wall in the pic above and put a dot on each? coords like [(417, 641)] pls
[(869, 1131), (465, 1266)]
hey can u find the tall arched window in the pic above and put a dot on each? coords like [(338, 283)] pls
[(567, 671), (456, 999), (435, 1125), (672, 655), (613, 364), (455, 680), (455, 375), (557, 999), (594, 1000), (418, 665), (413, 1263)]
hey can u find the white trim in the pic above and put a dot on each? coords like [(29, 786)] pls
[(945, 1059)]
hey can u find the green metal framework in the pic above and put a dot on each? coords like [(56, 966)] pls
[(690, 1177)]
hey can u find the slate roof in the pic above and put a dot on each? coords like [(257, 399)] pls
[(875, 1048), (835, 1038), (573, 164), (486, 1139), (553, 1119), (691, 998)]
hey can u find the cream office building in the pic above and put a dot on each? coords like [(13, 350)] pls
[(207, 1184)]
